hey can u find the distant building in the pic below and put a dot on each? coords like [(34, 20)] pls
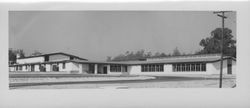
[(67, 63)]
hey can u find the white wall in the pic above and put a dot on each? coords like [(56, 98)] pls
[(214, 68), (211, 68), (58, 57), (37, 67), (60, 65), (134, 69), (12, 68), (48, 67), (68, 67), (72, 66), (30, 60), (24, 68)]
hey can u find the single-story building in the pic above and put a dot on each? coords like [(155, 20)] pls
[(67, 63)]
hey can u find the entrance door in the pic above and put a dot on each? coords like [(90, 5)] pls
[(55, 67), (229, 66), (91, 69), (32, 68), (105, 70)]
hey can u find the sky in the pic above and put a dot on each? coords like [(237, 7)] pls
[(94, 35)]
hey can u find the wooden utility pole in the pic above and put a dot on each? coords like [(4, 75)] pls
[(222, 15)]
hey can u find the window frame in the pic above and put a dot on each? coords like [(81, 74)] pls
[(189, 67), (152, 68)]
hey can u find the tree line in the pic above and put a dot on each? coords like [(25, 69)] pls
[(141, 54), (210, 45)]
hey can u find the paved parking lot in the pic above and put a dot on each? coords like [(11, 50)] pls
[(184, 81)]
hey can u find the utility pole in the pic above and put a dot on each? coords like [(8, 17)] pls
[(222, 15)]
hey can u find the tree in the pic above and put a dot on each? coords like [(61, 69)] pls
[(36, 53), (12, 56), (157, 54), (109, 58), (13, 53), (176, 52), (139, 54), (21, 53), (149, 54), (212, 44)]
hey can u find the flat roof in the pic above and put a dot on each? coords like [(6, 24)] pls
[(170, 60), (164, 61)]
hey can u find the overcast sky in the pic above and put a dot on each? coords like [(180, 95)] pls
[(97, 34)]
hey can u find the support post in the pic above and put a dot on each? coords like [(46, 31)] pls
[(96, 68), (108, 69), (80, 68)]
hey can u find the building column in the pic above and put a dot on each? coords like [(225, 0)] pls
[(80, 68), (96, 68), (108, 69)]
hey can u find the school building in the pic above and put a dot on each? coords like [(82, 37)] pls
[(67, 63)]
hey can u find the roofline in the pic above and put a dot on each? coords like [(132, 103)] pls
[(53, 54), (150, 62), (126, 62), (188, 55)]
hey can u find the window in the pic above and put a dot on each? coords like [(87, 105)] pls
[(118, 68), (125, 68), (161, 68), (63, 66), (187, 67), (149, 68), (146, 68), (183, 68), (157, 68), (198, 67), (178, 67), (152, 68), (192, 67), (203, 67)]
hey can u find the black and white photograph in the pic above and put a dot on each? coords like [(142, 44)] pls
[(124, 54), (122, 49)]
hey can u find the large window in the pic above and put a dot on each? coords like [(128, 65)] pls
[(189, 67), (203, 67), (118, 68), (152, 68), (63, 65)]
